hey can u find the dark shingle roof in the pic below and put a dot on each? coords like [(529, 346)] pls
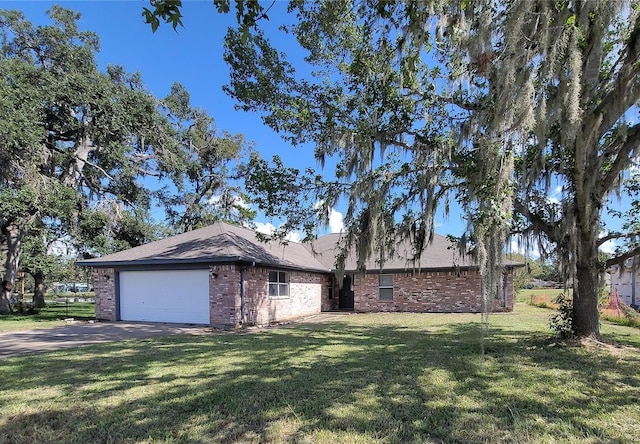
[(222, 242), (219, 242), (440, 254)]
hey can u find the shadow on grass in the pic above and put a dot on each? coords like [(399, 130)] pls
[(322, 382)]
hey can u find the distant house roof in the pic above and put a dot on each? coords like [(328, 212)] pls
[(219, 242), (224, 243)]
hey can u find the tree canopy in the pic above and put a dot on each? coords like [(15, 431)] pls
[(489, 102), (77, 142), (209, 190)]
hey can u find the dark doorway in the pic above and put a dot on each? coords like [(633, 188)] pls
[(346, 294)]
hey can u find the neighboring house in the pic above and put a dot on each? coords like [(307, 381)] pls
[(540, 283), (627, 282), (222, 275)]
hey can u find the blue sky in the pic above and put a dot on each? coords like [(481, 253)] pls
[(193, 57)]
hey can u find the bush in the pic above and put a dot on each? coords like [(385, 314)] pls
[(627, 316), (562, 322), (23, 308), (69, 294)]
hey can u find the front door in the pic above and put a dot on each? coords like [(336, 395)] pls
[(346, 293)]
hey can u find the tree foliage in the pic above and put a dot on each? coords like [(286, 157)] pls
[(248, 12), (209, 190), (491, 102), (77, 142)]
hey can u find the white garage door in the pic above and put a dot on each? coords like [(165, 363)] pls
[(180, 296)]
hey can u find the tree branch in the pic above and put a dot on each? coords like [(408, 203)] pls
[(93, 165), (622, 160), (616, 235), (536, 221), (626, 87), (623, 257)]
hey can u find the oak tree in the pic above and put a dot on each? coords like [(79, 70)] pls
[(70, 134), (493, 103)]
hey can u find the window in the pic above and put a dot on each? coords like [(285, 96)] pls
[(278, 284), (386, 287), (330, 286)]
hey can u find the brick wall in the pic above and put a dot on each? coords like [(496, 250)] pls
[(224, 295), (105, 288), (499, 305), (327, 303), (309, 294), (305, 294), (305, 290), (437, 292)]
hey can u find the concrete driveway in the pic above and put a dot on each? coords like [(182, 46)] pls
[(87, 333), (76, 335)]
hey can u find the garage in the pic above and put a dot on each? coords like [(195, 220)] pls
[(177, 296)]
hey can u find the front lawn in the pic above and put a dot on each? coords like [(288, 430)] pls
[(525, 294), (396, 378)]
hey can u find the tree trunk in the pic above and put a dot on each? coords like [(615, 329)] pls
[(39, 289), (586, 321), (5, 308), (13, 235)]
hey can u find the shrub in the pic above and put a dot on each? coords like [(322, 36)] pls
[(69, 294), (628, 317), (562, 322), (23, 308)]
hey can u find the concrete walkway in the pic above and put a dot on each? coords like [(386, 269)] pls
[(76, 335)]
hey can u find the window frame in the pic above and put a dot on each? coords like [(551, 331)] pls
[(281, 284), (382, 287)]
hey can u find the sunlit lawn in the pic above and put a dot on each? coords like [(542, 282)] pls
[(52, 315), (392, 378), (524, 295)]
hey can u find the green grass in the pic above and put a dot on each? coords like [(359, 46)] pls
[(524, 295), (50, 316), (392, 378)]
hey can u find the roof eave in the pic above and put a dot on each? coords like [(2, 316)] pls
[(134, 262), (412, 269), (182, 262)]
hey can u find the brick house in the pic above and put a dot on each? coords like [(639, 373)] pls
[(222, 275)]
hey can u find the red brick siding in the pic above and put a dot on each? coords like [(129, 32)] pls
[(224, 295), (255, 288), (309, 294), (437, 291), (305, 292), (105, 289), (500, 306), (329, 304)]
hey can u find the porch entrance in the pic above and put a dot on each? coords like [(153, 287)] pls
[(345, 300)]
